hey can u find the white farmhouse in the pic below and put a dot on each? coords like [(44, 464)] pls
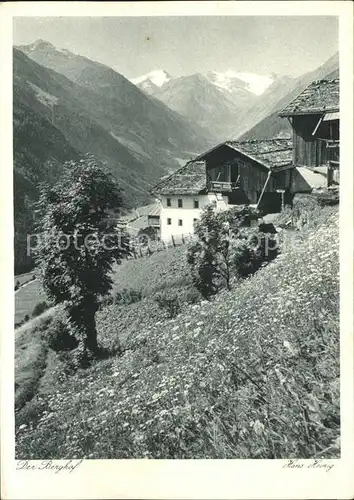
[(182, 197)]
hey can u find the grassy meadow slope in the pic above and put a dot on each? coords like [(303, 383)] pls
[(253, 373)]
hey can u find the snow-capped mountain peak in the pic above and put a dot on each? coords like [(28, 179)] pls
[(157, 77), (255, 83)]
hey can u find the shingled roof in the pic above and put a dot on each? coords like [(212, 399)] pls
[(189, 179), (321, 96), (144, 211), (271, 153), (274, 154)]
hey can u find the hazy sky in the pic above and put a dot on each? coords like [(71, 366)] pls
[(184, 45)]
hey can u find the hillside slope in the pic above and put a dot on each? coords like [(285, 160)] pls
[(269, 124), (51, 126), (40, 150), (146, 126), (55, 120), (60, 101), (252, 374)]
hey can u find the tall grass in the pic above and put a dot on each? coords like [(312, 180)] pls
[(252, 374)]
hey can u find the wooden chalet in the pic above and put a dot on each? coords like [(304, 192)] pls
[(256, 172), (314, 117)]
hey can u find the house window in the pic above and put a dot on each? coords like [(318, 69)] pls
[(196, 203), (180, 203), (180, 222), (169, 221), (168, 202)]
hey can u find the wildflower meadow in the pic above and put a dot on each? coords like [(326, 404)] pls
[(251, 373)]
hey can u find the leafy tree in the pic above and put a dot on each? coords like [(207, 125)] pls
[(150, 232), (79, 243), (225, 247), (208, 256)]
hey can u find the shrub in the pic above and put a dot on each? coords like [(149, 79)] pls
[(150, 232), (226, 246), (170, 303), (328, 198), (201, 262), (58, 334), (40, 308), (193, 296), (247, 256), (31, 412)]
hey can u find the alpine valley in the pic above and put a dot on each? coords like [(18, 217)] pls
[(66, 105)]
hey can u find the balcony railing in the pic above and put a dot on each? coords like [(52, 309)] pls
[(333, 153), (224, 187)]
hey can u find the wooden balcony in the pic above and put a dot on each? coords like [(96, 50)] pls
[(333, 150), (223, 187)]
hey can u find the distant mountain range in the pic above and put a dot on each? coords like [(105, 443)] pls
[(152, 131), (227, 80), (230, 105), (65, 105), (152, 80), (198, 100), (213, 100)]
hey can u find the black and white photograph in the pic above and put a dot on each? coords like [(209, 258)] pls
[(176, 257)]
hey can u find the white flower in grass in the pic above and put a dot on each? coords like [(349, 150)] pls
[(291, 349), (258, 427)]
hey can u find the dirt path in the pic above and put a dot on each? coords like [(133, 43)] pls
[(35, 321), (25, 284)]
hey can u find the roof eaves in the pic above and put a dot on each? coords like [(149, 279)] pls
[(286, 112), (152, 190), (198, 158), (316, 111)]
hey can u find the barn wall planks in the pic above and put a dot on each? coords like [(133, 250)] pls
[(310, 150), (253, 176)]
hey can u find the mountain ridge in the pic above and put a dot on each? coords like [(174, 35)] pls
[(134, 112), (76, 118), (271, 125)]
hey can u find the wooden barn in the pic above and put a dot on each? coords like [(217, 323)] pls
[(314, 117), (257, 172)]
